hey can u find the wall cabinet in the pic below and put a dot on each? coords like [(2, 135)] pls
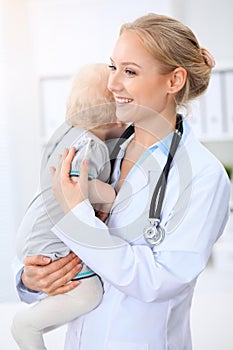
[(212, 113)]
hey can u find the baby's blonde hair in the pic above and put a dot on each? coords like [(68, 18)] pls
[(90, 104)]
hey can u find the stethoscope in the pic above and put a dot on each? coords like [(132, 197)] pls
[(154, 234)]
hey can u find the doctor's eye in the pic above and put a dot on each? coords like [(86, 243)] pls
[(130, 72), (113, 68)]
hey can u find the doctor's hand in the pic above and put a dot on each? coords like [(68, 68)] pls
[(42, 275), (68, 192)]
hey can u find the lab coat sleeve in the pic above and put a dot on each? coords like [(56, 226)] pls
[(137, 270)]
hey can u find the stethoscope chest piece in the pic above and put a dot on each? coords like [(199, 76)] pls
[(154, 234)]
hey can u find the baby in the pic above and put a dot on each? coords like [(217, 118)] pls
[(91, 112)]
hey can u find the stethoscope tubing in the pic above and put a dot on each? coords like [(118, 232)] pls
[(154, 234), (160, 188)]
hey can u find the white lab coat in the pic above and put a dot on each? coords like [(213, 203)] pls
[(148, 292)]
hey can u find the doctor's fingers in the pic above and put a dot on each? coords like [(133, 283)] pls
[(61, 281), (62, 272)]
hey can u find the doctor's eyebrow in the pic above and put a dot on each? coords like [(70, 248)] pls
[(127, 63)]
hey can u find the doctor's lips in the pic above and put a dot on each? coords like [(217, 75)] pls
[(122, 100)]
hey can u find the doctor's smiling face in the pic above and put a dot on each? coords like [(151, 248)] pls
[(140, 88)]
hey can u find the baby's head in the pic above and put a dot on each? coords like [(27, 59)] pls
[(90, 104)]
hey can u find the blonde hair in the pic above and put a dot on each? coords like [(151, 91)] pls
[(90, 104), (174, 45)]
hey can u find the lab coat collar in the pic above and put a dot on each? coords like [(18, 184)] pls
[(148, 167), (163, 144), (146, 170)]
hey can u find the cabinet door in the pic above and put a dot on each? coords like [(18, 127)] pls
[(211, 108), (229, 102), (212, 113)]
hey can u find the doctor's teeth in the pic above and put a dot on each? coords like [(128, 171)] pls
[(123, 100)]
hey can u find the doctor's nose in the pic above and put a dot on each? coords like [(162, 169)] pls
[(114, 82)]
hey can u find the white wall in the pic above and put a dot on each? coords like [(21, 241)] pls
[(211, 21), (67, 34), (20, 102), (19, 129)]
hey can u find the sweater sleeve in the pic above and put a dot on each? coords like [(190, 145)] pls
[(97, 153)]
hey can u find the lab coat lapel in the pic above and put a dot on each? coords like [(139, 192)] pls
[(129, 214), (147, 170)]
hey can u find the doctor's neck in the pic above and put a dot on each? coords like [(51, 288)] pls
[(149, 133)]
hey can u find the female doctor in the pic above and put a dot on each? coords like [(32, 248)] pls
[(159, 233)]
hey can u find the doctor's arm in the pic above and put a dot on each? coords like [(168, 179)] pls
[(138, 270)]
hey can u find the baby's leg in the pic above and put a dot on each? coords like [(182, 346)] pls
[(29, 325), (101, 192), (101, 196)]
